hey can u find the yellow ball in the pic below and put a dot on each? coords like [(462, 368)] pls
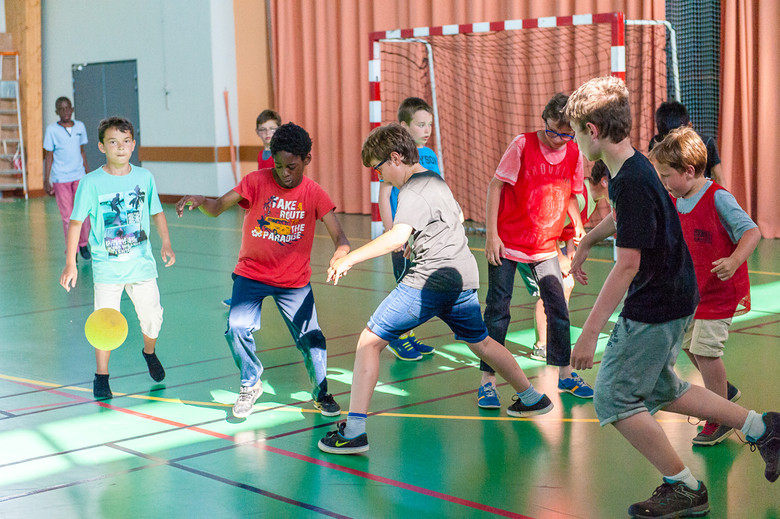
[(106, 329)]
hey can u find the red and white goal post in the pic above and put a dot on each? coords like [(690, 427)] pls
[(488, 82)]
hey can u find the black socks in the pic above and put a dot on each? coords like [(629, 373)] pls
[(156, 370)]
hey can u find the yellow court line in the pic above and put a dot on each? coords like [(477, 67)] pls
[(293, 409)]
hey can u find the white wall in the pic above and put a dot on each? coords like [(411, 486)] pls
[(185, 53)]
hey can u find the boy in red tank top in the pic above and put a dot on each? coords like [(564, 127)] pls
[(720, 236), (527, 203)]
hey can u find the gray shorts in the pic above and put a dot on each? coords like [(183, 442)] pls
[(637, 369)]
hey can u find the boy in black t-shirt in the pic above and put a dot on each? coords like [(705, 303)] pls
[(654, 268)]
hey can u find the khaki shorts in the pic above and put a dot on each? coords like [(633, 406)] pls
[(706, 337)]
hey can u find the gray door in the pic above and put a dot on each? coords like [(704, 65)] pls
[(103, 90)]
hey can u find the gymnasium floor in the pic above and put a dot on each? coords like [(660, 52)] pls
[(174, 450)]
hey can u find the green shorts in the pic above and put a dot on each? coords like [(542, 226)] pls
[(637, 369)]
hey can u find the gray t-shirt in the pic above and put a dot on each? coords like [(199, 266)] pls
[(442, 259)]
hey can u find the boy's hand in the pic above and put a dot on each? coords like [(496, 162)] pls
[(725, 268), (494, 249), (407, 251), (565, 263), (194, 201), (575, 268), (336, 255), (584, 350), (167, 255), (338, 269), (69, 276)]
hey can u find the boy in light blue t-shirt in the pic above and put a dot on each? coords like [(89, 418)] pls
[(416, 116), (119, 198)]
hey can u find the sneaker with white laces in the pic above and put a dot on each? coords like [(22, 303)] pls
[(520, 410), (403, 349), (246, 399), (487, 397), (335, 443), (673, 500), (768, 445), (712, 434), (420, 347), (576, 386), (327, 406)]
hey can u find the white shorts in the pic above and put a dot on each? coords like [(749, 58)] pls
[(706, 337), (145, 297)]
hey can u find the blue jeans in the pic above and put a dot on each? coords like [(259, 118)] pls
[(547, 275), (299, 313), (405, 308)]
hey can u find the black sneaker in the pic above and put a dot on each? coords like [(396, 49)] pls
[(84, 251), (335, 443), (521, 410), (328, 406), (712, 434), (673, 500), (732, 393), (768, 445), (156, 371), (100, 388)]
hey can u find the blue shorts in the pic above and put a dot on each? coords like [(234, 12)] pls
[(406, 308), (637, 370)]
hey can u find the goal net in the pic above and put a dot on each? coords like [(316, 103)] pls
[(490, 82)]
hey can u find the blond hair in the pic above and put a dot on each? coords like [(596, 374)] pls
[(682, 147), (602, 101)]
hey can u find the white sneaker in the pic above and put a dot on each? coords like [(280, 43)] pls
[(246, 400)]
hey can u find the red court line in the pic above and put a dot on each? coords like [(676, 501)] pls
[(262, 445)]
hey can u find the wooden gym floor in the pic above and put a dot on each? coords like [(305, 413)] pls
[(174, 450)]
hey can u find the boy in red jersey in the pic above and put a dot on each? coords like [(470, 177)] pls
[(595, 189), (282, 206), (527, 202), (720, 236), (266, 125)]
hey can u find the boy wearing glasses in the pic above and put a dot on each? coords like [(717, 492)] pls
[(442, 282), (416, 116), (533, 190)]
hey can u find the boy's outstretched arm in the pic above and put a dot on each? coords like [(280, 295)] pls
[(615, 287), (208, 206), (494, 247), (725, 267), (162, 228), (387, 242), (603, 230), (70, 273), (573, 212), (340, 240)]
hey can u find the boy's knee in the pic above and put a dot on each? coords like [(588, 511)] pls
[(151, 321)]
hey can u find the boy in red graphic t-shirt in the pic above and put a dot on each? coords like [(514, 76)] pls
[(720, 236), (282, 207), (527, 203)]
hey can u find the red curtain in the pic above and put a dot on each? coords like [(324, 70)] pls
[(750, 107), (320, 52)]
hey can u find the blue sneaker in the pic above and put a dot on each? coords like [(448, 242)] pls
[(404, 350), (227, 301), (576, 386), (487, 398), (417, 345)]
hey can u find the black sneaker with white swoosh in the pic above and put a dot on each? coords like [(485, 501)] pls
[(335, 443)]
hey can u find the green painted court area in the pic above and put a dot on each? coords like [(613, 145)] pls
[(173, 449)]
